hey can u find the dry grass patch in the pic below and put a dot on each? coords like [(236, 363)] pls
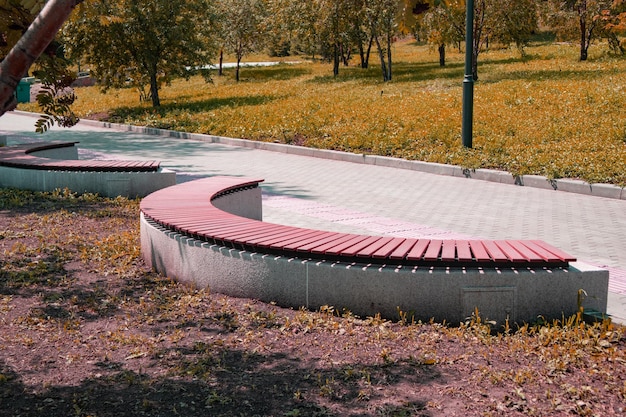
[(545, 114)]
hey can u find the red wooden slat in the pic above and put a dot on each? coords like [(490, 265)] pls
[(278, 239), (417, 251), (566, 257), (340, 246), (401, 251), (328, 242), (494, 251), (433, 250), (546, 255), (463, 251), (370, 250), (293, 243), (525, 251), (386, 250), (479, 251), (448, 250), (510, 252), (353, 250)]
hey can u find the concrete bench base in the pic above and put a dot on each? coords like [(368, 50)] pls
[(445, 294), (128, 183), (107, 184)]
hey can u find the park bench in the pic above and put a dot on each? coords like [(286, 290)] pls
[(45, 166), (25, 156), (209, 232)]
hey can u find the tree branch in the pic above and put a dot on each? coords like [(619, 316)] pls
[(32, 44)]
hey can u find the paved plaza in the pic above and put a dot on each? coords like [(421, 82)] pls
[(333, 194)]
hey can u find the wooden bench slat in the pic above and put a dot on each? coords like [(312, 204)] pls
[(479, 251), (526, 252), (354, 249), (417, 251), (448, 250), (543, 253), (495, 253), (463, 251), (403, 249), (433, 250), (293, 243), (556, 251), (389, 248), (322, 245), (510, 251), (370, 250), (338, 247), (276, 242)]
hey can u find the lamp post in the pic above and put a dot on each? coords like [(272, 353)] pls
[(468, 81)]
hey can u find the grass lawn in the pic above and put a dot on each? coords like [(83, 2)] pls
[(546, 114)]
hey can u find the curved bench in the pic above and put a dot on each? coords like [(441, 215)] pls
[(45, 166), (210, 232)]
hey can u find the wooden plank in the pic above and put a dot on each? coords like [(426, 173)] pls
[(463, 251), (509, 251), (293, 243), (403, 249), (370, 250), (417, 251), (433, 250), (527, 253), (448, 250), (546, 255), (329, 241), (495, 253), (340, 246), (566, 257), (387, 249), (354, 249), (479, 251)]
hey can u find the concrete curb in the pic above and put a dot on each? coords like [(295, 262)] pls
[(490, 175)]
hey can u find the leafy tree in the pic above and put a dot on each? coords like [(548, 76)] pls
[(242, 27), (29, 47), (515, 21), (383, 17), (578, 19), (142, 42)]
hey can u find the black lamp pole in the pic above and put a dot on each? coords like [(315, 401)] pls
[(468, 81)]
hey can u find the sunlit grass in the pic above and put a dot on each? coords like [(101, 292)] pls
[(546, 114)]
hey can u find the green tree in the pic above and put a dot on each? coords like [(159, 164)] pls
[(515, 21), (578, 19), (142, 42), (243, 24), (383, 17)]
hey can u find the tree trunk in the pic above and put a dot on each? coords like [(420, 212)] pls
[(442, 55), (336, 60), (369, 51), (36, 39), (389, 42), (381, 54), (154, 88), (220, 70)]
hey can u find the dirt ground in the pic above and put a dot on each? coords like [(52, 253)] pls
[(86, 329)]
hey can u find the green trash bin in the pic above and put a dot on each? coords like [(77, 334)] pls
[(23, 92)]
